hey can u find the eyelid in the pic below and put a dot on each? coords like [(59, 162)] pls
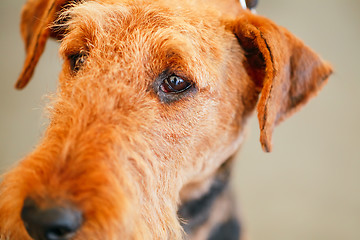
[(68, 48), (170, 72)]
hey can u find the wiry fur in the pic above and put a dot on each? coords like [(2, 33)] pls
[(112, 148)]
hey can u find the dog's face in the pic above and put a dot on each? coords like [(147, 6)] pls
[(168, 77), (152, 96)]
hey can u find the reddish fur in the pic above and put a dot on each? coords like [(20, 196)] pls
[(293, 72), (112, 148)]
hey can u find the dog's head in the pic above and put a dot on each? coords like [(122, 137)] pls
[(152, 95)]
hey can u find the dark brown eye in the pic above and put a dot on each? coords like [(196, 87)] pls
[(174, 84), (77, 61)]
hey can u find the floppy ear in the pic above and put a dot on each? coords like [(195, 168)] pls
[(36, 20), (287, 72)]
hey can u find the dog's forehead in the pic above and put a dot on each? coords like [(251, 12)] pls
[(148, 11), (154, 31), (119, 17)]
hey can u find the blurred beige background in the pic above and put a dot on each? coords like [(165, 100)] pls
[(307, 188)]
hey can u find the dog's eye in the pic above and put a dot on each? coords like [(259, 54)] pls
[(77, 61), (174, 84)]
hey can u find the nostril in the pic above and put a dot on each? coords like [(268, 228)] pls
[(55, 223), (59, 232), (60, 223)]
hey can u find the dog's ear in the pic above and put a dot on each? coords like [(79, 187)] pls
[(36, 20), (287, 72)]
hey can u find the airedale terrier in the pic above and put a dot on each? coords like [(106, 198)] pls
[(152, 102)]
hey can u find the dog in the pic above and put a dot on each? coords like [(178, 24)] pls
[(151, 107)]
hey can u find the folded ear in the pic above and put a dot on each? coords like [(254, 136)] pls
[(36, 20), (287, 72)]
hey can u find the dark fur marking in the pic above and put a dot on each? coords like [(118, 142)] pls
[(272, 83), (59, 27), (197, 211), (229, 230)]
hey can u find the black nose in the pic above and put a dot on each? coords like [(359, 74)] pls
[(55, 223)]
